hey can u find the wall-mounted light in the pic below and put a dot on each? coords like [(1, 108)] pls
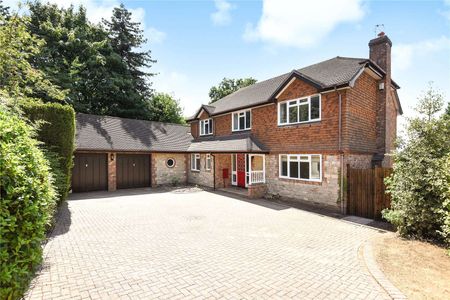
[(112, 156)]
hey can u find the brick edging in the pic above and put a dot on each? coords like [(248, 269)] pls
[(377, 274)]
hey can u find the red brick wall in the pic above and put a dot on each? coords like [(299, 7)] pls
[(222, 161), (359, 121), (361, 116), (310, 137), (194, 129), (391, 126)]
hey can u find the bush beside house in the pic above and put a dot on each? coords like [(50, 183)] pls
[(420, 184), (56, 129), (27, 203)]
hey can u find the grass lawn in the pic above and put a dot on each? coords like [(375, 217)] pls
[(420, 270)]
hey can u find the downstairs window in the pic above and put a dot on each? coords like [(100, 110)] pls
[(301, 166)]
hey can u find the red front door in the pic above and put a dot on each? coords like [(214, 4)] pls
[(241, 170)]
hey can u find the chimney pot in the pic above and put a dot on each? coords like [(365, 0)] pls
[(381, 34)]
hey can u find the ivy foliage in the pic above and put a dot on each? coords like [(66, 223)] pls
[(420, 184), (27, 203)]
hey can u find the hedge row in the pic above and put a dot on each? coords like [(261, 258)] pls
[(57, 131), (27, 203)]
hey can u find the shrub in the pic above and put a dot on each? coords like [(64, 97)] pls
[(57, 131), (27, 203), (420, 184)]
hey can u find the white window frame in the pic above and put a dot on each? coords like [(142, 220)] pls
[(208, 162), (298, 104), (202, 126), (296, 157), (194, 157), (244, 114)]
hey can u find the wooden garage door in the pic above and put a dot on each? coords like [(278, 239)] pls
[(133, 170), (90, 172)]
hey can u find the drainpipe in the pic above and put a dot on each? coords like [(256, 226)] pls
[(341, 156), (214, 171)]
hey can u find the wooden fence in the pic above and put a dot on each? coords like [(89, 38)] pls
[(366, 196)]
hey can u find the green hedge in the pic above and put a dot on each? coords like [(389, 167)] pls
[(27, 203), (57, 131)]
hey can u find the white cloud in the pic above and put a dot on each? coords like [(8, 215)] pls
[(222, 15), (302, 23), (403, 55)]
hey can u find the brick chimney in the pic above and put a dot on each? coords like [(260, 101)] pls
[(380, 53)]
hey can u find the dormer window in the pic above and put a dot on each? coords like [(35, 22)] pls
[(242, 120), (300, 110), (206, 127)]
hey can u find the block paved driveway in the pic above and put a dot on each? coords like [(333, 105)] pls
[(144, 244)]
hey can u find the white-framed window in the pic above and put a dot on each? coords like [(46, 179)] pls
[(195, 162), (206, 127), (208, 162), (300, 110), (241, 120), (301, 166)]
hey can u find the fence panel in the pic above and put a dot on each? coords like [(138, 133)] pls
[(366, 192)]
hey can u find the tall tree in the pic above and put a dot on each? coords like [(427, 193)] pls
[(164, 108), (80, 57), (228, 86), (126, 37), (19, 78)]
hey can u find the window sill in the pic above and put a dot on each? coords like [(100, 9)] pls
[(202, 135), (302, 181), (300, 124), (195, 171), (239, 131)]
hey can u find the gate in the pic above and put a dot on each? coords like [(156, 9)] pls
[(366, 192)]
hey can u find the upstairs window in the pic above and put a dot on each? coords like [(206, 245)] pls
[(301, 166), (242, 120), (299, 110), (206, 127)]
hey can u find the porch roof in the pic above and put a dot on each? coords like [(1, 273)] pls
[(239, 142)]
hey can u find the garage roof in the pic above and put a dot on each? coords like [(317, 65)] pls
[(119, 134)]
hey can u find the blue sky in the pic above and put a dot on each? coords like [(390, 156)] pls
[(197, 43)]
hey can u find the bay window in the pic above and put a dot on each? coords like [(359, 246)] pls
[(195, 162), (299, 110), (241, 120), (301, 166), (206, 127)]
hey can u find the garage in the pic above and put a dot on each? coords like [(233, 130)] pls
[(90, 172), (133, 171)]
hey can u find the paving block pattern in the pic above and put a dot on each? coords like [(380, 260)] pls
[(200, 245)]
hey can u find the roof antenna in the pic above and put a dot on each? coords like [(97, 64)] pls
[(379, 30)]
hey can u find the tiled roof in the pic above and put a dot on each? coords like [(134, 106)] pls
[(120, 134), (326, 74), (240, 142)]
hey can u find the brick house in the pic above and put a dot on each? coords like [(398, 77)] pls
[(297, 131), (290, 135)]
